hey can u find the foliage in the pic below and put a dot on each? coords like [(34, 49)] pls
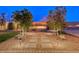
[(24, 18), (2, 19), (56, 19)]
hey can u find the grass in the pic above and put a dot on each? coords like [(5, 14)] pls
[(7, 35)]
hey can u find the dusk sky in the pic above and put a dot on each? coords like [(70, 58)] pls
[(39, 12)]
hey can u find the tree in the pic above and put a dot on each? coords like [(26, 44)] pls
[(23, 18), (26, 21), (2, 20), (60, 15), (56, 19), (17, 18)]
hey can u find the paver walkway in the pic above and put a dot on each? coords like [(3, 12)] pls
[(40, 42)]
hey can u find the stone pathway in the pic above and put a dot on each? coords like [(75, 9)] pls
[(40, 42), (36, 41)]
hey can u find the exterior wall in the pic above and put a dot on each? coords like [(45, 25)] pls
[(35, 25), (4, 27), (38, 27), (16, 26)]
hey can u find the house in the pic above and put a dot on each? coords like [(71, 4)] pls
[(72, 24), (4, 27), (38, 26)]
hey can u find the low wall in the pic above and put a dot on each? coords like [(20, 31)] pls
[(73, 33)]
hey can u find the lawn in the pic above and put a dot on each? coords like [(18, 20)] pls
[(7, 35)]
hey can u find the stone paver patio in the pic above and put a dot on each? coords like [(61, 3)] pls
[(41, 42)]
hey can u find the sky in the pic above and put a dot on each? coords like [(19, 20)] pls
[(40, 12)]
